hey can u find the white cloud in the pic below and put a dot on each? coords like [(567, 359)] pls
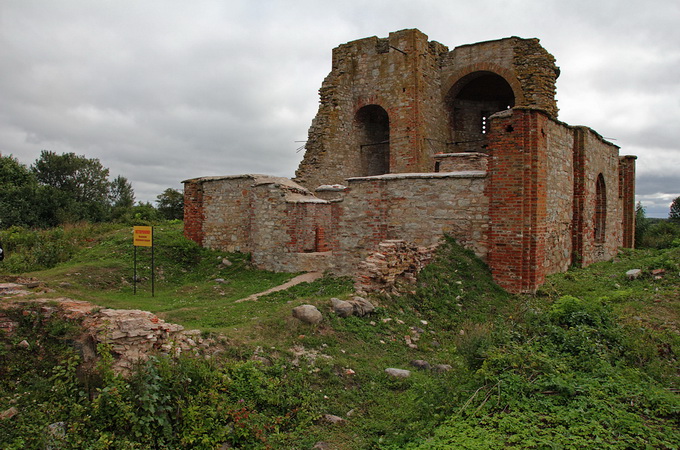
[(161, 91)]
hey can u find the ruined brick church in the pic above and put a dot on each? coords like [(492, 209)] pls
[(412, 141)]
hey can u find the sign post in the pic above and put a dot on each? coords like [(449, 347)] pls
[(143, 237)]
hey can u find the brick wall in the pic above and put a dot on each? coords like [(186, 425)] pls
[(526, 199), (627, 194), (417, 208), (517, 193), (594, 156), (193, 211), (413, 80), (454, 162)]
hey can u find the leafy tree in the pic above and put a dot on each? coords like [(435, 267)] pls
[(121, 194), (674, 214), (85, 179), (641, 224), (77, 188), (171, 204), (18, 194)]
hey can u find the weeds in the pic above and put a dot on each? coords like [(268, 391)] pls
[(590, 361)]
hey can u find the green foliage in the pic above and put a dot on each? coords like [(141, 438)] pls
[(19, 194), (171, 204), (661, 234), (456, 287), (641, 224), (590, 361), (82, 181), (558, 381), (121, 197), (674, 213), (60, 189), (28, 250), (164, 403)]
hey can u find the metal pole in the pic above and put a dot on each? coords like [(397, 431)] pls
[(134, 275), (153, 267)]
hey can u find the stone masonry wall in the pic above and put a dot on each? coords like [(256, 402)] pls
[(627, 194), (393, 73), (559, 142), (599, 157), (227, 206), (417, 208), (523, 63), (519, 187), (453, 162)]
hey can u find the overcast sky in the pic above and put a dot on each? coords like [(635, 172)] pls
[(162, 91)]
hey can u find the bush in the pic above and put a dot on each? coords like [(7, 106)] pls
[(663, 234)]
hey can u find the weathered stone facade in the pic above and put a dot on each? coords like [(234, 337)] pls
[(412, 141)]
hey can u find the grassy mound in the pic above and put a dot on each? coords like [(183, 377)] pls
[(589, 361)]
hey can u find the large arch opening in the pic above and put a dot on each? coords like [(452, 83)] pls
[(373, 135), (471, 101), (600, 219)]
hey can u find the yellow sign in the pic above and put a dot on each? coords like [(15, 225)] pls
[(142, 236)]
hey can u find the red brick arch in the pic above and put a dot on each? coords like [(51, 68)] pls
[(451, 85)]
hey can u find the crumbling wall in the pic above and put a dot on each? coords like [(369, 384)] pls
[(417, 208), (455, 162), (394, 262), (395, 74), (412, 141), (559, 143), (597, 156), (282, 225)]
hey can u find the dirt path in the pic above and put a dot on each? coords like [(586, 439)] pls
[(304, 278)]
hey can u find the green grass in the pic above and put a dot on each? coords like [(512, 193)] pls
[(589, 361)]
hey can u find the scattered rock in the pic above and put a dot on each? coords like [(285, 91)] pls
[(441, 368), (227, 263), (9, 413), (398, 373), (658, 273), (24, 344), (131, 335), (307, 314), (361, 306), (335, 420), (56, 433), (321, 446), (262, 360), (395, 262), (632, 274), (342, 308), (420, 364), (220, 280)]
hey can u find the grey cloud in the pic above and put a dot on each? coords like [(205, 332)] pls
[(163, 91)]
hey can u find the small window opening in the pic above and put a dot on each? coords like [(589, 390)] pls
[(436, 166)]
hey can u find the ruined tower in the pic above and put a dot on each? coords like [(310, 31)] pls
[(413, 141)]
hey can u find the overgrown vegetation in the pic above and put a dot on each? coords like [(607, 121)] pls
[(589, 361), (657, 233), (59, 190)]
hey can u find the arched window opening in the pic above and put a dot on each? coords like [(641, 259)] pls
[(600, 210), (471, 102), (373, 136)]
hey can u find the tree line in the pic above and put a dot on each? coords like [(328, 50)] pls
[(657, 233), (68, 188)]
